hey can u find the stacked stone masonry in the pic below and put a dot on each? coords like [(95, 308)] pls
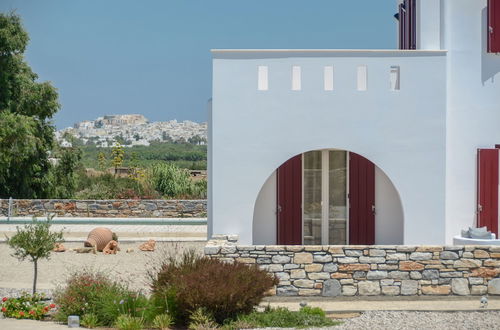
[(157, 208), (394, 270)]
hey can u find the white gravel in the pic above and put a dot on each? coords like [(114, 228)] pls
[(375, 320), (390, 320)]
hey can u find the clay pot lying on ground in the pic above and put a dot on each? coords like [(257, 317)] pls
[(99, 238)]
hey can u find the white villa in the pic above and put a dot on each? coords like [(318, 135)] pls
[(331, 146)]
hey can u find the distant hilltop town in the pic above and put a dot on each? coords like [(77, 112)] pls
[(132, 130)]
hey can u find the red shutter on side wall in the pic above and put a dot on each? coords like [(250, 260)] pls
[(361, 200), (493, 26), (407, 25), (289, 208), (402, 32), (487, 189)]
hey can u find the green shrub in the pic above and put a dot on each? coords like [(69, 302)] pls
[(171, 181), (283, 318), (313, 311), (199, 189), (94, 293), (127, 322), (224, 290), (90, 321), (134, 304), (96, 191), (201, 319), (163, 321), (107, 186)]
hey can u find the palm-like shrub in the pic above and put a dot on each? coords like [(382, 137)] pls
[(171, 181)]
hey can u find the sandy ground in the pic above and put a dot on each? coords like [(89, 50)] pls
[(130, 267)]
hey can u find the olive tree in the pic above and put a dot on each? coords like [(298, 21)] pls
[(34, 241)]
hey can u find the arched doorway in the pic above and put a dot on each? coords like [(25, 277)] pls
[(328, 197)]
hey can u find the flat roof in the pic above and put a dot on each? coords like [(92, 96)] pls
[(280, 53), (410, 51)]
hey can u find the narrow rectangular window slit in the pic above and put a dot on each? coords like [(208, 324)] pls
[(296, 77), (394, 78), (262, 80), (362, 78), (328, 78)]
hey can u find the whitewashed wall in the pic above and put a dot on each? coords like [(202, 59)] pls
[(389, 217), (264, 216), (473, 111), (403, 132)]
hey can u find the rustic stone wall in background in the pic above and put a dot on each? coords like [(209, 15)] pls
[(157, 208), (389, 270)]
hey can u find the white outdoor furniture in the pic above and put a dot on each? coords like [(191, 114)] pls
[(459, 240)]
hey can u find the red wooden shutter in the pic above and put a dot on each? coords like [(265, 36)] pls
[(493, 26), (289, 210), (407, 25), (361, 200), (402, 32), (487, 189)]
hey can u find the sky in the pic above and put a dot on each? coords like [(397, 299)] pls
[(153, 56)]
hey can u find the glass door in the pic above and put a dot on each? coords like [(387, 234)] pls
[(312, 200), (325, 197), (337, 197)]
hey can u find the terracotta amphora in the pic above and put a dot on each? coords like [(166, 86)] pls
[(98, 238)]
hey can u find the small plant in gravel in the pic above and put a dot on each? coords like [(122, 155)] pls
[(89, 321), (26, 307), (127, 322), (163, 321), (201, 319), (34, 241), (94, 293), (306, 317)]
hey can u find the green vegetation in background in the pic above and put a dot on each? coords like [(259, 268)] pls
[(159, 181), (26, 108), (183, 155)]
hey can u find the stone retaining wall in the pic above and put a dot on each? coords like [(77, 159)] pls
[(157, 208), (369, 270)]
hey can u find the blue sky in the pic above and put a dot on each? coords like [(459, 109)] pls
[(153, 56)]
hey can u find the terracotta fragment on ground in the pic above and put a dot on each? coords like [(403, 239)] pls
[(59, 247), (111, 248), (85, 250), (148, 246)]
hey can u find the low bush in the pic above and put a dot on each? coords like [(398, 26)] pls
[(131, 303), (127, 322), (89, 321), (282, 318), (94, 293), (224, 290), (26, 307), (162, 321), (171, 181), (107, 186), (201, 319)]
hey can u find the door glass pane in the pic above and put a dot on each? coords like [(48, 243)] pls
[(312, 197), (337, 185)]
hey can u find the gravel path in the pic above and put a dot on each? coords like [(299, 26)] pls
[(130, 268), (375, 320)]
